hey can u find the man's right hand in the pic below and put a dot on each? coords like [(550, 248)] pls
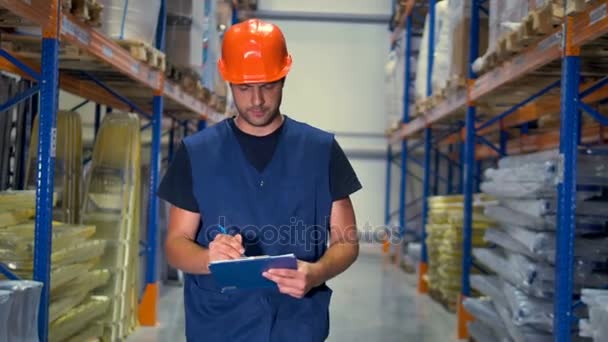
[(226, 247)]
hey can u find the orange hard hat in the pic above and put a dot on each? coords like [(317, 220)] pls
[(254, 51)]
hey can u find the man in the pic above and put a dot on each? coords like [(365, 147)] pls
[(277, 186)]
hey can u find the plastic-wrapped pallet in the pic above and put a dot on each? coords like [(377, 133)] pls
[(444, 242), (422, 66), (6, 302), (525, 212), (452, 42), (68, 165), (504, 16), (441, 55), (23, 313), (458, 39), (112, 202), (131, 19), (185, 33), (393, 81), (596, 326)]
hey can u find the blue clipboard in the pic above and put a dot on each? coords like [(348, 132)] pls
[(246, 273)]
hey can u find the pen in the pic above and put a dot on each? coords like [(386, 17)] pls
[(224, 231)]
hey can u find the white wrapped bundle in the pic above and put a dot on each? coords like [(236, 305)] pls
[(422, 66), (185, 33), (596, 326), (131, 19)]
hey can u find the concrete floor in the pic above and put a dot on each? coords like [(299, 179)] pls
[(372, 301)]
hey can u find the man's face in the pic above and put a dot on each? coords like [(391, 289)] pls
[(258, 103)]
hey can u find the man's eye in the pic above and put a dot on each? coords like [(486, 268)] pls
[(245, 88)]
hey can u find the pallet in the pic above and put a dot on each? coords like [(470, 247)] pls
[(87, 11), (144, 52), (30, 47), (543, 20), (577, 6)]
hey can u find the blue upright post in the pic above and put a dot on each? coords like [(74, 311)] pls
[(450, 188), (149, 303), (435, 171), (468, 177), (461, 168), (49, 85), (406, 119), (387, 194), (503, 142), (566, 191), (478, 168), (202, 124), (422, 284)]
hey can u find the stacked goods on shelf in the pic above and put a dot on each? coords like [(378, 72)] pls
[(441, 19), (522, 294), (68, 165), (132, 23), (185, 41), (513, 25), (596, 326), (450, 67), (451, 48), (87, 11), (75, 258), (112, 201), (19, 302), (393, 94), (130, 19), (444, 243)]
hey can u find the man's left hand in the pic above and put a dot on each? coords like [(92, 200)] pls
[(296, 283)]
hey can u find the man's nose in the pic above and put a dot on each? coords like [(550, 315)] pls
[(257, 97)]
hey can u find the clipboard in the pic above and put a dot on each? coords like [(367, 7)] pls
[(246, 273)]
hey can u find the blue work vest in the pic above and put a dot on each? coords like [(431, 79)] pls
[(283, 209)]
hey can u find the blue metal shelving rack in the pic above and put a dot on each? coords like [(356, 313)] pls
[(56, 27), (579, 29)]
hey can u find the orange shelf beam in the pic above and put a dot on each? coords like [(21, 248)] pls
[(34, 11), (590, 134), (88, 90), (444, 109), (543, 53), (106, 50), (591, 23)]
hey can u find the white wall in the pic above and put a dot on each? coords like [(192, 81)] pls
[(337, 84)]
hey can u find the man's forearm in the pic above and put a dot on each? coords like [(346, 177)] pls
[(186, 255), (338, 257)]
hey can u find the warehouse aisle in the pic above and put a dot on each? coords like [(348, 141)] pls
[(371, 302)]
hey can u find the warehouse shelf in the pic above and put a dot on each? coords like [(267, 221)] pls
[(537, 56), (453, 104), (100, 71), (123, 68), (590, 134), (558, 74), (590, 24)]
